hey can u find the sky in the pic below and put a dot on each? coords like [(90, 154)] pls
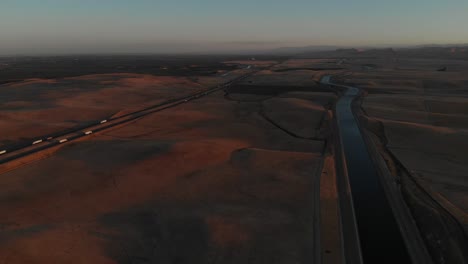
[(170, 26)]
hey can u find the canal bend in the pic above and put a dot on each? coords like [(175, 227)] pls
[(380, 237)]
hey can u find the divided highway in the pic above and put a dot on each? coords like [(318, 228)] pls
[(372, 222), (40, 144)]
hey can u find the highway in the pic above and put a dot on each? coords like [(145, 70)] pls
[(372, 222), (371, 230), (39, 144)]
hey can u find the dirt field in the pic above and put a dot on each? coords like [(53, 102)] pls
[(420, 115), (38, 107), (217, 180), (233, 177), (425, 115)]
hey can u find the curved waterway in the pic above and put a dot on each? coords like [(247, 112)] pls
[(380, 237)]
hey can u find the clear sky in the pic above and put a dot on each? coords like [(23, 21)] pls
[(94, 26)]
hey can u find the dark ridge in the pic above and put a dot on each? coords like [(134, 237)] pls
[(270, 89), (309, 69)]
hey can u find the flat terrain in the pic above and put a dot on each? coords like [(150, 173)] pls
[(227, 178), (246, 174), (42, 106), (425, 118), (416, 105), (39, 107)]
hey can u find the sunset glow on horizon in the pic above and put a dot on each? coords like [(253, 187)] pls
[(53, 26)]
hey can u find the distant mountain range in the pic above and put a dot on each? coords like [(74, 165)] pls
[(296, 50), (322, 48)]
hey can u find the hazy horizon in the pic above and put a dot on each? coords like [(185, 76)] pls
[(208, 26)]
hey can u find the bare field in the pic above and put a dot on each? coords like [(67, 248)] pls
[(241, 175), (211, 180), (40, 107), (295, 115), (424, 113)]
